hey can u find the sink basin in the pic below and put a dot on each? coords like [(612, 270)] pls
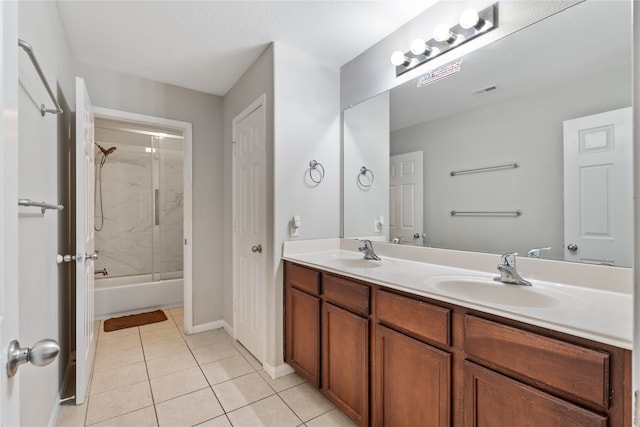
[(490, 291), (354, 263)]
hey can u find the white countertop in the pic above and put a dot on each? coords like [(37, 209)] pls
[(603, 314)]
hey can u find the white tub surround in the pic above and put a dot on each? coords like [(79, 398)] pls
[(119, 296), (588, 301)]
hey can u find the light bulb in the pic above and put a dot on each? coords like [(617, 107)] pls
[(469, 19), (418, 47), (442, 34), (398, 58)]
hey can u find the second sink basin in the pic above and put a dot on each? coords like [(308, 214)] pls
[(489, 291)]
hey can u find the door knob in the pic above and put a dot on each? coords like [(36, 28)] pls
[(93, 256), (572, 247), (257, 248), (41, 354)]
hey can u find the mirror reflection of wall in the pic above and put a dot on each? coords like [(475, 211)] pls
[(366, 144), (556, 70)]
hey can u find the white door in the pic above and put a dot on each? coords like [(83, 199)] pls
[(406, 198), (250, 224), (85, 256), (598, 176), (9, 307)]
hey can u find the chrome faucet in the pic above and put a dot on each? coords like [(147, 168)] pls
[(397, 240), (535, 252), (367, 249), (104, 272), (508, 272)]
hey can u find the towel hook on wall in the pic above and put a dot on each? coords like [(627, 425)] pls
[(365, 177), (316, 166)]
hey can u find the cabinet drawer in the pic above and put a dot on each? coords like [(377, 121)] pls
[(421, 319), (345, 293), (491, 399), (302, 278), (546, 362)]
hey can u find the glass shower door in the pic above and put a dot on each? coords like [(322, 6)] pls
[(168, 208)]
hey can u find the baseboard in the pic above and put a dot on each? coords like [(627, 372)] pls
[(277, 371), (217, 324), (229, 329)]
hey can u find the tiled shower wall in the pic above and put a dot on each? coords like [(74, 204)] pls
[(130, 243)]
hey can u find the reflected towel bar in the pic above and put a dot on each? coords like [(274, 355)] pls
[(27, 48), (43, 205), (488, 168), (487, 213)]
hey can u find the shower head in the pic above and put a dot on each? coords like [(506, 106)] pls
[(106, 151)]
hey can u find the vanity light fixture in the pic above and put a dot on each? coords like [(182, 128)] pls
[(420, 47), (471, 19), (472, 24), (442, 34), (399, 58)]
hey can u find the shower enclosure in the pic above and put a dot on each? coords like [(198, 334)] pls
[(138, 216)]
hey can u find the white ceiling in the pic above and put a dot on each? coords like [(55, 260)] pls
[(207, 45)]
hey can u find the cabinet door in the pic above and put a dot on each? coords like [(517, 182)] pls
[(302, 340), (345, 361), (412, 382), (493, 400)]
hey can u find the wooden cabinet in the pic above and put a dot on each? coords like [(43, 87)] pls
[(493, 400), (412, 378), (345, 361), (412, 382), (302, 322), (425, 321), (394, 359), (556, 366)]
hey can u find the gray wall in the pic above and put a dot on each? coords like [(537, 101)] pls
[(258, 79), (366, 143), (303, 123), (118, 91), (306, 127), (526, 129), (42, 148)]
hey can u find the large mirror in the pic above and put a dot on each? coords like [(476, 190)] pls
[(527, 148)]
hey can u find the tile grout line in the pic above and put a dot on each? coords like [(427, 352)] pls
[(246, 357), (146, 368), (125, 413)]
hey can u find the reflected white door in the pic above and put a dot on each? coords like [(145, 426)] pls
[(598, 176), (9, 301), (406, 198), (250, 224), (85, 175)]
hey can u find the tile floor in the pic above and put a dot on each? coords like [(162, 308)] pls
[(154, 375)]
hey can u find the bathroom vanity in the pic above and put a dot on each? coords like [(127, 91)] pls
[(384, 343)]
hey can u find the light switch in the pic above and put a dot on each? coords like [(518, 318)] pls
[(378, 223), (294, 226)]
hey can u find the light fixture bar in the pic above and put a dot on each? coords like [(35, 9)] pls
[(487, 21)]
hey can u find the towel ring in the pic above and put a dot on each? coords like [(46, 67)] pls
[(366, 172), (316, 166)]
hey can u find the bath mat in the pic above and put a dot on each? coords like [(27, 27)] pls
[(132, 320)]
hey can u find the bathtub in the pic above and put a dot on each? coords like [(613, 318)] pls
[(118, 296)]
